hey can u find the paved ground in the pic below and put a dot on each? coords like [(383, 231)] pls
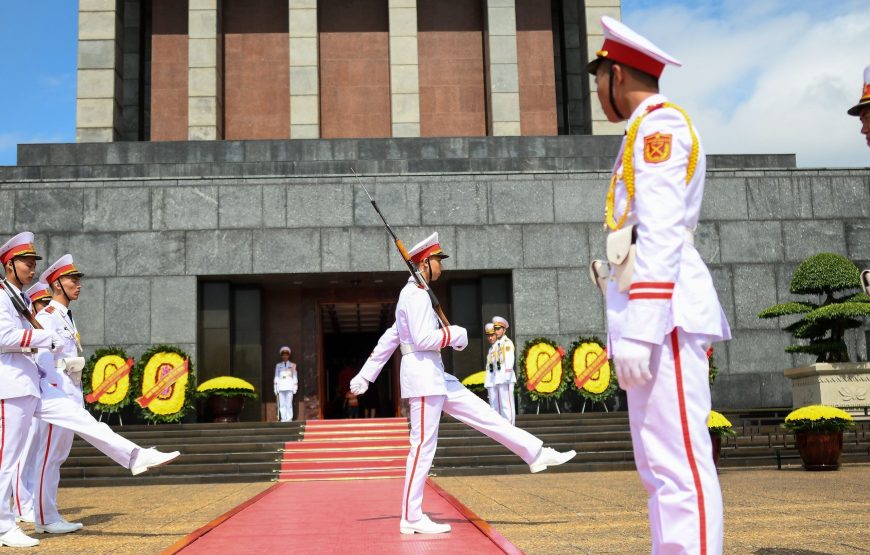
[(768, 512), (137, 519)]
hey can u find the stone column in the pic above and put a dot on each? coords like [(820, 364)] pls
[(503, 81), (304, 70), (98, 93), (594, 39), (204, 73), (130, 124), (404, 69)]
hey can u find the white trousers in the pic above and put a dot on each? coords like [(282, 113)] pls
[(493, 400), (285, 406), (505, 403), (468, 408), (672, 449), (53, 408), (22, 488)]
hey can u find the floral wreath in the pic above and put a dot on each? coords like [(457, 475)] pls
[(528, 368), (118, 395), (172, 407), (601, 384)]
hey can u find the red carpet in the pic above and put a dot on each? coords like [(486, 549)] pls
[(347, 449), (340, 517)]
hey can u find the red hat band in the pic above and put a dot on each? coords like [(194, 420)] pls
[(62, 271), (20, 250), (45, 293), (621, 53), (866, 94), (426, 253)]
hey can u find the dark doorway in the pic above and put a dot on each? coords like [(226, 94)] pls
[(350, 332)]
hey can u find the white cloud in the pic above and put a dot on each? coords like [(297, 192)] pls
[(767, 77)]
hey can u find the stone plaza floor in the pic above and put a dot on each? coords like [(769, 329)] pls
[(767, 512)]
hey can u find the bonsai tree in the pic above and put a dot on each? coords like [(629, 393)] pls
[(824, 323)]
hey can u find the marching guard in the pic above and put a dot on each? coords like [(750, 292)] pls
[(27, 392), (430, 390), (662, 308), (505, 377), (491, 365), (22, 490)]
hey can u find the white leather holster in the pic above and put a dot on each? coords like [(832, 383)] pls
[(73, 367)]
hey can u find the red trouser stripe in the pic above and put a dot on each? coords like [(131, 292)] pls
[(42, 476), (687, 440), (18, 488), (417, 455)]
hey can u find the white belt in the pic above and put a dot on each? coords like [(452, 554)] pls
[(408, 348), (18, 351)]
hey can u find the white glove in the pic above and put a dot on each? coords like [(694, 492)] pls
[(275, 389), (458, 337), (359, 385), (57, 343), (631, 359)]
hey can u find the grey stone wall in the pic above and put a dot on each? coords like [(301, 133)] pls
[(143, 241)]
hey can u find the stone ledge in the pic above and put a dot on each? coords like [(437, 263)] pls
[(327, 150)]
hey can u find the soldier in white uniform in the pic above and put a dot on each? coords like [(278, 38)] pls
[(505, 377), (430, 390), (22, 489), (52, 444), (491, 366), (662, 308), (23, 395), (286, 384)]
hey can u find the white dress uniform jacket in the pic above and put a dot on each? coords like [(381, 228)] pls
[(506, 355), (491, 365), (19, 376), (286, 377), (422, 371), (671, 286), (55, 317)]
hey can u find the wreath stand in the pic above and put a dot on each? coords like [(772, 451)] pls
[(547, 400), (592, 405), (120, 420)]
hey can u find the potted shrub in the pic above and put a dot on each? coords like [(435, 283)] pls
[(835, 305), (226, 396), (818, 433), (719, 427)]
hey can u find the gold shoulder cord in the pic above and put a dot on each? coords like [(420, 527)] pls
[(628, 166)]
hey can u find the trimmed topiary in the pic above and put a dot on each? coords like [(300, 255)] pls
[(824, 324)]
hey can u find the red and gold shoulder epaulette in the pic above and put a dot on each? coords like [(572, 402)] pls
[(49, 310)]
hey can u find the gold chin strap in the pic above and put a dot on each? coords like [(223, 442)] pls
[(628, 165)]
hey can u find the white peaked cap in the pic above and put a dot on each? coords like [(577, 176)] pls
[(284, 348), (426, 248), (64, 266), (625, 46), (499, 321), (20, 245), (38, 291)]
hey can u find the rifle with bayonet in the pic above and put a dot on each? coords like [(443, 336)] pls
[(442, 318)]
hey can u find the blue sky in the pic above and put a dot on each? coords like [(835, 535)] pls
[(758, 75), (38, 62)]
